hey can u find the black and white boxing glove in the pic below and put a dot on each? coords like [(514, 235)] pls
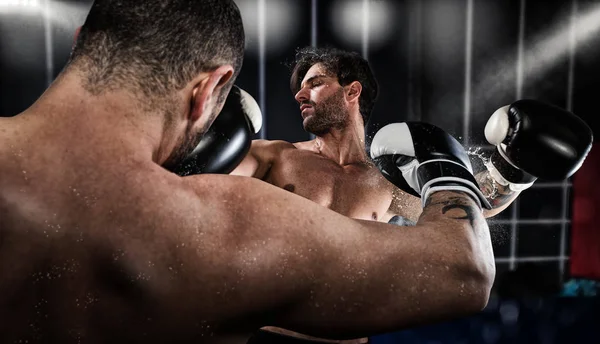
[(421, 158), (535, 140), (228, 139)]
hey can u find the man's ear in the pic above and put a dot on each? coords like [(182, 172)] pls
[(207, 89), (353, 91), (76, 35)]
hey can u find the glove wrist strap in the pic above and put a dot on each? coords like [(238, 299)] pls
[(498, 178), (438, 175)]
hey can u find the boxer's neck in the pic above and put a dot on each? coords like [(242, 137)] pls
[(345, 146), (112, 121)]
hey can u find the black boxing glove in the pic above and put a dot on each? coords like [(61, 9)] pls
[(228, 139), (535, 140), (421, 158)]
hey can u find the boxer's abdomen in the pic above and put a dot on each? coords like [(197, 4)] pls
[(355, 191)]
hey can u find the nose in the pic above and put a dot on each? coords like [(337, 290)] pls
[(301, 96)]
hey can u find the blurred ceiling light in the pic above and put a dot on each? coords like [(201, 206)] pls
[(24, 7), (349, 18), (24, 3), (278, 27)]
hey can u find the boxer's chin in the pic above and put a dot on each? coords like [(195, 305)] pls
[(321, 125), (330, 114), (316, 127)]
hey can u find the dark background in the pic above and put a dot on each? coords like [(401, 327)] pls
[(448, 62)]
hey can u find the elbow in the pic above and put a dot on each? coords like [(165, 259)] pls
[(479, 291), (475, 283)]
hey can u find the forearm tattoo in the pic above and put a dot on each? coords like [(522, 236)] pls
[(458, 202), (469, 214)]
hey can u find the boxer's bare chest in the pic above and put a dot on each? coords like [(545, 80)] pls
[(356, 190)]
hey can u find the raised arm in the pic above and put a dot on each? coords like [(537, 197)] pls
[(258, 161), (533, 140), (297, 265), (275, 258)]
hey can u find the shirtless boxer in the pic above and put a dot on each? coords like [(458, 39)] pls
[(101, 242), (336, 91)]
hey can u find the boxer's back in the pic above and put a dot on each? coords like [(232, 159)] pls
[(81, 250)]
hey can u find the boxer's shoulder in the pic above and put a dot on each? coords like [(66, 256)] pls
[(270, 149), (272, 144), (305, 145)]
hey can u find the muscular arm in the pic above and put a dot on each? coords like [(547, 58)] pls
[(259, 159), (270, 257)]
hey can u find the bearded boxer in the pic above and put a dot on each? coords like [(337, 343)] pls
[(103, 240), (336, 91)]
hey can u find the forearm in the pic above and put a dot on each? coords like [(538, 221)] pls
[(308, 269), (440, 269), (454, 272), (257, 162), (246, 168), (500, 196), (463, 230)]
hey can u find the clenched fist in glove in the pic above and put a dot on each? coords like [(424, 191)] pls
[(535, 140), (421, 158)]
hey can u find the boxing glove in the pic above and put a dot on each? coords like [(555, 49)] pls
[(421, 158), (535, 140), (228, 139)]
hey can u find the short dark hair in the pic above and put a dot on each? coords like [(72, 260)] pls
[(157, 46), (346, 66)]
